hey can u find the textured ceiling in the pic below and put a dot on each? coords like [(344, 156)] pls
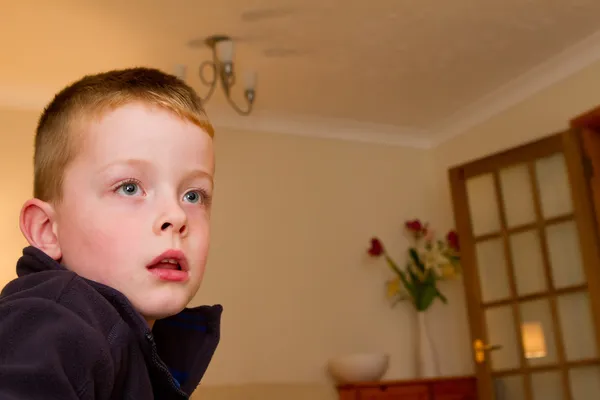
[(407, 64)]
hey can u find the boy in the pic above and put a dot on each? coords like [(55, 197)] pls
[(119, 232)]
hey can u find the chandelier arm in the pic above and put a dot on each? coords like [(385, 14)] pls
[(202, 69), (237, 108), (210, 83), (227, 81), (227, 77)]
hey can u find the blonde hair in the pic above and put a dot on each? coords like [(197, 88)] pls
[(55, 143)]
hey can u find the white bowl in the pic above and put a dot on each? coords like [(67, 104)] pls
[(360, 367)]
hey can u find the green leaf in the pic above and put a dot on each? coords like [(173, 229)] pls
[(415, 257), (429, 294), (392, 264), (410, 288), (441, 296), (430, 278), (413, 276)]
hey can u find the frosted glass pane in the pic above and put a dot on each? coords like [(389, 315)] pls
[(539, 342), (528, 264), (483, 205), (575, 315), (493, 275), (517, 195), (547, 386), (585, 383), (509, 388), (553, 184), (565, 254), (501, 331)]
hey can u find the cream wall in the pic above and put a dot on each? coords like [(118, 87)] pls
[(292, 221), (16, 177)]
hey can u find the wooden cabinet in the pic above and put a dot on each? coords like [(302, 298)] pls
[(460, 388), (408, 392)]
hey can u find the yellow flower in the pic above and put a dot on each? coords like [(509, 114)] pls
[(447, 271), (393, 287)]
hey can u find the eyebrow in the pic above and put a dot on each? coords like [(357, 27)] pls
[(198, 173), (129, 162), (133, 162)]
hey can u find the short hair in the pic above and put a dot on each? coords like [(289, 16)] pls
[(55, 143)]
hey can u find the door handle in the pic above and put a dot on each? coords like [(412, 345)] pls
[(481, 349)]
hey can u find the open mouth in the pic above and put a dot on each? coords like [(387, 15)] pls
[(170, 266), (168, 263)]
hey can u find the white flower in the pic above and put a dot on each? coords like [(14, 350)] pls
[(434, 259)]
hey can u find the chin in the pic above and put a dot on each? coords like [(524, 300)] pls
[(161, 308)]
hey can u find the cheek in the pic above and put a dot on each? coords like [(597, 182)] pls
[(94, 239), (200, 237)]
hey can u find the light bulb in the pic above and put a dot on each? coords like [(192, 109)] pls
[(250, 80), (180, 71), (225, 50)]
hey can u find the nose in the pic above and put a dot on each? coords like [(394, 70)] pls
[(172, 218)]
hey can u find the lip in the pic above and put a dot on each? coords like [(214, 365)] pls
[(169, 274), (174, 254)]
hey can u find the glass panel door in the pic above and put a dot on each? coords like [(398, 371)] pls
[(527, 273)]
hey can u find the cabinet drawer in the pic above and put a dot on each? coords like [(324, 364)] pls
[(460, 389), (348, 394), (412, 392), (455, 396)]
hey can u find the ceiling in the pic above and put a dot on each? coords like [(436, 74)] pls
[(391, 70)]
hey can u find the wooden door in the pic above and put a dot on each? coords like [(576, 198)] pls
[(531, 267), (590, 143)]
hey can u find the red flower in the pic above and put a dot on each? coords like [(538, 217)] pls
[(414, 226), (452, 239), (376, 247)]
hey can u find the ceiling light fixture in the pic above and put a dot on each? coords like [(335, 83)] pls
[(223, 71)]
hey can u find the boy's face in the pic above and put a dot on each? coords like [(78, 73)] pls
[(139, 192)]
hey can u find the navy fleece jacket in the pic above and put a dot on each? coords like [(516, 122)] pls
[(65, 337)]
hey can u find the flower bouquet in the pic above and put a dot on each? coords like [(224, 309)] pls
[(429, 261)]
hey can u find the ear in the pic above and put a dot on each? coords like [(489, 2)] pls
[(38, 226)]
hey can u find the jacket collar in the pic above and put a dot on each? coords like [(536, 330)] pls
[(180, 346)]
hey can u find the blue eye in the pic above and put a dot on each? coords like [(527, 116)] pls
[(193, 196), (129, 188)]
